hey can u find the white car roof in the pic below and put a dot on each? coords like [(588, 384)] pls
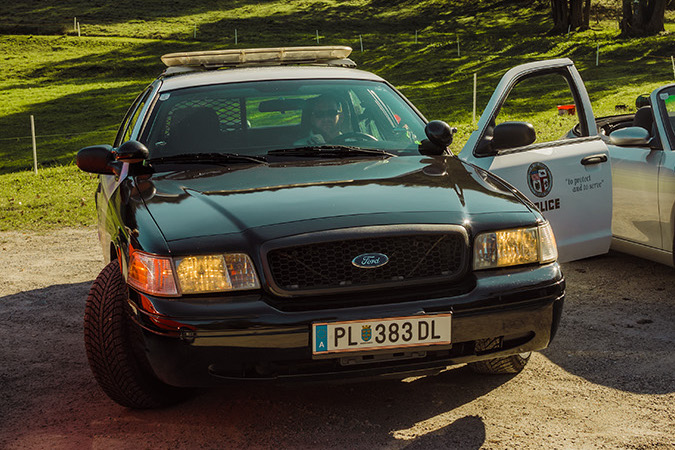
[(272, 73)]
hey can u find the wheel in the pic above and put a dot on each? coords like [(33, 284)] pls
[(498, 366), (353, 136), (113, 347)]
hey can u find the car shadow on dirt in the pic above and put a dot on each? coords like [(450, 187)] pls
[(42, 346), (48, 392), (402, 414), (616, 328)]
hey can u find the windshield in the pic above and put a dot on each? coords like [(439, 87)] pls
[(255, 118), (667, 96)]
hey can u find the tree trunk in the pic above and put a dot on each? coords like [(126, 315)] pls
[(576, 14), (560, 16), (570, 14), (642, 17), (626, 17), (655, 23), (587, 14)]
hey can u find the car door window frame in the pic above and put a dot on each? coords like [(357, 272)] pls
[(582, 114), (132, 115), (658, 106)]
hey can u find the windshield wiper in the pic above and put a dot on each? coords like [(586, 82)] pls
[(330, 151), (187, 158)]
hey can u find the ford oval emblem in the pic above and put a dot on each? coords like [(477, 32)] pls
[(370, 260)]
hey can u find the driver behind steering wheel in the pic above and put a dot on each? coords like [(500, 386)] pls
[(325, 117)]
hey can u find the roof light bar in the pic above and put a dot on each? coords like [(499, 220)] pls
[(260, 56)]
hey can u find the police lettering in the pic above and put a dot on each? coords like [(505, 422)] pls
[(548, 205)]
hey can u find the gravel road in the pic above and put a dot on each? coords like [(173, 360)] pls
[(607, 381)]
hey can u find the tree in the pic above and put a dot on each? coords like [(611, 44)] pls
[(570, 15), (642, 17), (587, 13)]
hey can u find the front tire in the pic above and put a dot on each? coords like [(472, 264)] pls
[(498, 366), (113, 347)]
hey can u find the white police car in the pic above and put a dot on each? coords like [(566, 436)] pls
[(609, 182)]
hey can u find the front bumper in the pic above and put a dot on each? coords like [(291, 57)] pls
[(208, 341)]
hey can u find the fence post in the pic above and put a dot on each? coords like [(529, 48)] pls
[(317, 36), (32, 132), (672, 60), (597, 55), (236, 38), (361, 41)]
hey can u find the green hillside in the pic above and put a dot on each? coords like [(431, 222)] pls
[(78, 88)]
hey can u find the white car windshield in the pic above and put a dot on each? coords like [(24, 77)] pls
[(668, 97), (254, 118)]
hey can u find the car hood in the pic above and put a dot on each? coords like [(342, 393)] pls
[(198, 201)]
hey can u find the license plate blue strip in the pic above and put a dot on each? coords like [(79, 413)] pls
[(321, 338)]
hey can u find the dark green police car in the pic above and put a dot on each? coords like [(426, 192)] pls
[(276, 214)]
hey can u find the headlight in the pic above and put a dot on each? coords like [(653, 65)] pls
[(151, 274), (193, 274), (216, 273), (514, 247)]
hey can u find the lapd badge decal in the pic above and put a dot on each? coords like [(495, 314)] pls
[(366, 333), (539, 179)]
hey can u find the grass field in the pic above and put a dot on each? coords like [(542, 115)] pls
[(78, 88)]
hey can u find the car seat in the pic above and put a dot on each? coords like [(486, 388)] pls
[(197, 131), (645, 119)]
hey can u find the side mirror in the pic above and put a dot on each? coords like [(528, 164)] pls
[(513, 135), (630, 136), (439, 133), (440, 137), (132, 152), (96, 159)]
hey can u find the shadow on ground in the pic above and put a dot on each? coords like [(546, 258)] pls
[(45, 377), (617, 327)]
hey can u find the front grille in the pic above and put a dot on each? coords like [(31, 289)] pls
[(328, 265)]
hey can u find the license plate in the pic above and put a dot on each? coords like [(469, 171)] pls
[(364, 335)]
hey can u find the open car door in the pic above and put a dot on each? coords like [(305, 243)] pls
[(521, 138)]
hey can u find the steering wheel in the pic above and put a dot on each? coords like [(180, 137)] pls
[(354, 136)]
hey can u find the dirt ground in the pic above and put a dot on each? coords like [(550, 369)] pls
[(607, 381)]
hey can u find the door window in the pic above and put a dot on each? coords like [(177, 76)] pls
[(546, 102), (667, 96), (129, 122)]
